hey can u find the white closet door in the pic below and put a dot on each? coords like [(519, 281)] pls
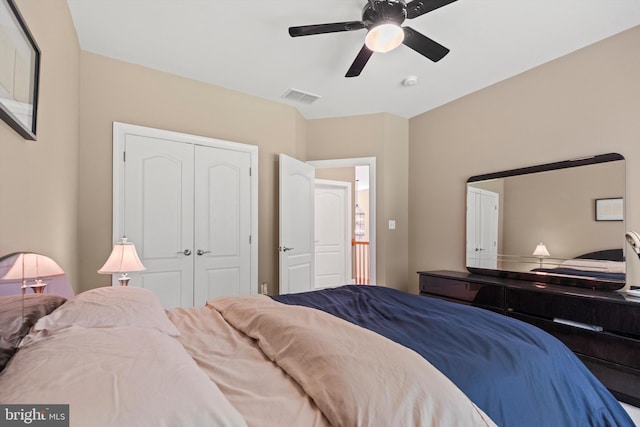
[(161, 178), (222, 223), (158, 215)]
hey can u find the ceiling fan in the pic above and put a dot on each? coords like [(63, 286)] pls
[(382, 20)]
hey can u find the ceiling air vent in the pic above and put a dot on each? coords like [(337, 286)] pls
[(300, 96)]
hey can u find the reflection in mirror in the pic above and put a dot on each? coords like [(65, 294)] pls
[(33, 273), (547, 223)]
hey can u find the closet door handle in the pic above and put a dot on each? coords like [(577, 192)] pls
[(201, 252), (186, 252)]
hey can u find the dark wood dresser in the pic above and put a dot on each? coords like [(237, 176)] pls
[(601, 327)]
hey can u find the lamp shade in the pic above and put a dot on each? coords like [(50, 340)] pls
[(541, 251), (32, 266), (384, 37), (123, 259), (633, 239)]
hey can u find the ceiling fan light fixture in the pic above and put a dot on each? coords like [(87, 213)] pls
[(384, 37)]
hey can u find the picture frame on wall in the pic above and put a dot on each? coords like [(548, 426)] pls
[(610, 209), (19, 72)]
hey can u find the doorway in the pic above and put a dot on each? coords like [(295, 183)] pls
[(364, 195)]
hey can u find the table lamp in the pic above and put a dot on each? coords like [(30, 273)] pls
[(33, 266), (123, 259), (541, 252)]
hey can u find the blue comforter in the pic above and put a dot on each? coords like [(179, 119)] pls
[(518, 374)]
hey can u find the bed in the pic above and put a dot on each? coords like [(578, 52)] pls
[(608, 264), (349, 356)]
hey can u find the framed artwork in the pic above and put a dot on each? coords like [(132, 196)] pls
[(609, 209), (19, 72)]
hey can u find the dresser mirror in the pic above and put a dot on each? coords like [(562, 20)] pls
[(31, 273), (560, 223)]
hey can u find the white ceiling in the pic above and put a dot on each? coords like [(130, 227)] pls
[(244, 45)]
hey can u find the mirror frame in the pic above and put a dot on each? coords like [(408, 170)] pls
[(576, 281)]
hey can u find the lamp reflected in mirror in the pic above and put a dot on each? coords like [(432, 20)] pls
[(541, 252), (31, 266)]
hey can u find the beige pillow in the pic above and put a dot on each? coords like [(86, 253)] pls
[(108, 307), (113, 377)]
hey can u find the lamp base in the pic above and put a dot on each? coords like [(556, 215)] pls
[(123, 280), (38, 289)]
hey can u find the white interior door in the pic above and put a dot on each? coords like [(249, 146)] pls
[(158, 213), (332, 233), (482, 228), (222, 223), (489, 229), (296, 248)]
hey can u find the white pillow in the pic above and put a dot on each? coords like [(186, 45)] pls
[(109, 307), (616, 266), (604, 266)]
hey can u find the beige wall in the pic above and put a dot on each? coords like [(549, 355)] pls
[(56, 192), (38, 180), (113, 90), (558, 209), (386, 138), (583, 104), (345, 174)]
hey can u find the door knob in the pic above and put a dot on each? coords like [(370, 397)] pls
[(201, 252), (284, 249), (186, 252)]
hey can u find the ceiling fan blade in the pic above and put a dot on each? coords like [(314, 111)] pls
[(359, 62), (308, 30), (424, 45), (420, 7)]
